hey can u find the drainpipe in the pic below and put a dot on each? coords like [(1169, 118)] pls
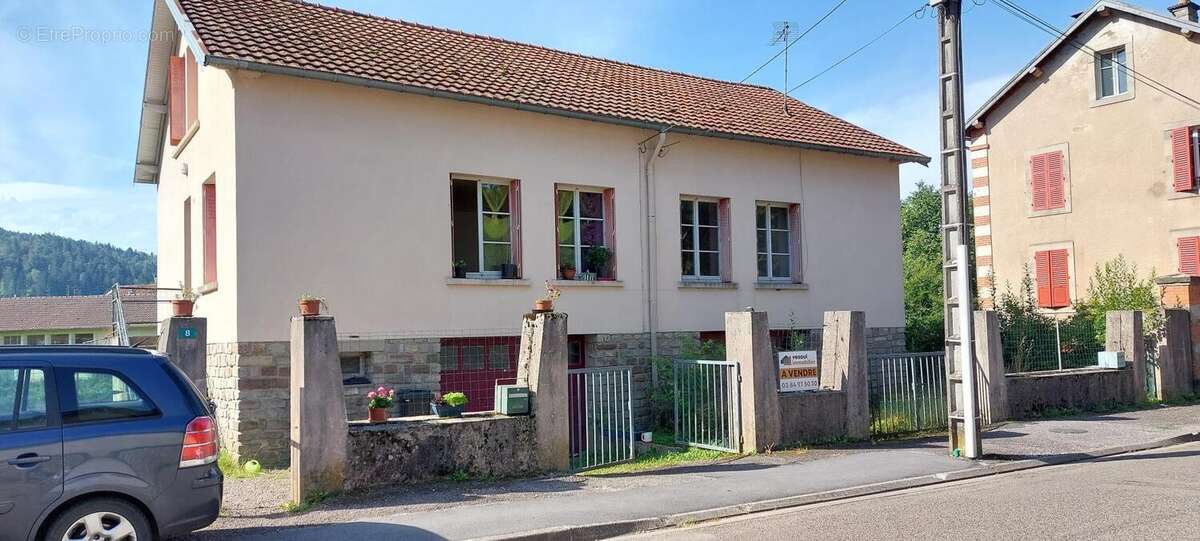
[(651, 255)]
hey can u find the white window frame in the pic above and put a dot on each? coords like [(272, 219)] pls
[(579, 218), (1117, 69), (479, 212), (696, 251), (770, 253)]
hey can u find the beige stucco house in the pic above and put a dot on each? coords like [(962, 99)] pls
[(427, 182), (1091, 152)]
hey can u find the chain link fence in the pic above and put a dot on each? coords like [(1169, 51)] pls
[(1040, 344)]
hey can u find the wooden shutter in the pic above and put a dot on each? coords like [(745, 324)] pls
[(514, 209), (610, 232), (191, 76), (794, 235), (175, 99), (210, 233), (1041, 262), (1189, 255), (1060, 279), (726, 242), (1181, 158), (1055, 179)]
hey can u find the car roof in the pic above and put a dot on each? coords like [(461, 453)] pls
[(50, 353)]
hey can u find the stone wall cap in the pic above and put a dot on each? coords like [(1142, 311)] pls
[(1177, 279), (1068, 372), (400, 423)]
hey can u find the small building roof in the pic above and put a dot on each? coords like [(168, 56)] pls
[(74, 311)]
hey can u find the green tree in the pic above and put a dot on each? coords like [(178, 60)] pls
[(920, 234), (1115, 285)]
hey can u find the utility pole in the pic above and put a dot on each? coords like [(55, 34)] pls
[(956, 264)]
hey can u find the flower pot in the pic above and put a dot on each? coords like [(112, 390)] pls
[(182, 307), (310, 307), (446, 410), (568, 274), (377, 415), (542, 305), (508, 271)]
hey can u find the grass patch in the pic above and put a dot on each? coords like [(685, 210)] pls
[(232, 469), (308, 503), (657, 460)]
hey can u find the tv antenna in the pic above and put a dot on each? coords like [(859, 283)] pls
[(782, 35)]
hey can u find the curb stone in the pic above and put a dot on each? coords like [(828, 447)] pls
[(612, 529)]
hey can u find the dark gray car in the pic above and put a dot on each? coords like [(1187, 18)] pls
[(103, 443)]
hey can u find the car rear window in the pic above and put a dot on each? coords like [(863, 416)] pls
[(98, 395)]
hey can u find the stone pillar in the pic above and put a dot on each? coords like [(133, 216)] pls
[(748, 342), (844, 366), (1173, 375), (185, 341), (542, 365), (1183, 292), (319, 430), (1123, 332), (990, 379)]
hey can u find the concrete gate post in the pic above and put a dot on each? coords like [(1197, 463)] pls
[(1123, 332), (989, 356), (844, 366), (1173, 375), (185, 341), (319, 431), (748, 343), (542, 365)]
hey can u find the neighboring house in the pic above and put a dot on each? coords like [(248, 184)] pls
[(77, 319), (301, 148), (1080, 158)]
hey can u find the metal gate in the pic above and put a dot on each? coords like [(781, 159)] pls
[(601, 415), (907, 392), (707, 404)]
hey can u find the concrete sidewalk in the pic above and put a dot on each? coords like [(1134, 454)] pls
[(622, 504)]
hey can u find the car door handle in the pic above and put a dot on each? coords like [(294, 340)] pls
[(28, 459)]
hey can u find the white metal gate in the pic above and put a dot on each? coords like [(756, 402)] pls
[(907, 392), (601, 415), (708, 405)]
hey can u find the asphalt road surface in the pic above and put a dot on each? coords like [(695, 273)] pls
[(1149, 495)]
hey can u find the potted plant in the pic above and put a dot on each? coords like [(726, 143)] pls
[(310, 305), (460, 269), (568, 271), (378, 402), (449, 404), (183, 302), (508, 271), (597, 260), (545, 303)]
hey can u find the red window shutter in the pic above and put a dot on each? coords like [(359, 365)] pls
[(1181, 158), (210, 233), (1041, 261), (610, 232), (1189, 255), (514, 209), (1060, 279), (1037, 182), (175, 99), (191, 89), (794, 235), (1055, 179), (726, 242)]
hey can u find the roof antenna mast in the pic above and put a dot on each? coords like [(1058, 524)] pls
[(782, 35)]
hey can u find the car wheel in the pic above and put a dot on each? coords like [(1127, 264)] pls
[(100, 519)]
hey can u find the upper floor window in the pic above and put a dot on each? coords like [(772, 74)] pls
[(209, 191), (1111, 76), (1185, 158), (182, 95), (1047, 181), (585, 232), (1189, 255), (704, 238), (486, 227)]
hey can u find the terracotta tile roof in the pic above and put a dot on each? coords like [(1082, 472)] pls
[(73, 312), (298, 35)]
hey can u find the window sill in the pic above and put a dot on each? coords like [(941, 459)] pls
[(1051, 212), (1109, 100), (781, 285), (1182, 195), (698, 284), (486, 282), (187, 138), (587, 283), (205, 289)]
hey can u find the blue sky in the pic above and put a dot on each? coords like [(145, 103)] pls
[(69, 104)]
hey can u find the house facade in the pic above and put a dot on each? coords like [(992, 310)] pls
[(428, 185), (1089, 153)]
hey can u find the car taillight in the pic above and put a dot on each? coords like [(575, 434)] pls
[(199, 443)]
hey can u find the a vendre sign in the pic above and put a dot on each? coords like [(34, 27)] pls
[(798, 371)]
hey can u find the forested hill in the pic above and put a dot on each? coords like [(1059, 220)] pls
[(45, 264)]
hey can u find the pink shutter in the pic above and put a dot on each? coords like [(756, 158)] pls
[(1181, 158), (514, 209), (191, 89), (610, 232), (1037, 182), (210, 233), (1060, 279), (175, 99), (1055, 179), (1041, 261), (726, 243), (794, 235), (1189, 256)]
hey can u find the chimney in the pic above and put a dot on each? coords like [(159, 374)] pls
[(1184, 10)]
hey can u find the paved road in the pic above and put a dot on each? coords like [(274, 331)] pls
[(1149, 495)]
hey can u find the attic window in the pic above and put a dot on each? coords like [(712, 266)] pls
[(1111, 76)]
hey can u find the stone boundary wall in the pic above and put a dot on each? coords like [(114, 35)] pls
[(885, 340), (415, 449), (1085, 388), (812, 416)]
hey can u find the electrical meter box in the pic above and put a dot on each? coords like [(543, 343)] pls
[(1111, 359), (512, 399)]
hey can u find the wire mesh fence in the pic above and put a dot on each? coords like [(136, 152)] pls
[(1040, 344), (907, 392)]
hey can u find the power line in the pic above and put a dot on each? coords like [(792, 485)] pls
[(910, 15), (1037, 22)]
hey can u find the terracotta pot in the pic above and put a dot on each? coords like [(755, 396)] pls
[(182, 307), (310, 307), (568, 274), (377, 415), (542, 305)]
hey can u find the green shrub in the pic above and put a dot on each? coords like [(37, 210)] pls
[(454, 399)]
